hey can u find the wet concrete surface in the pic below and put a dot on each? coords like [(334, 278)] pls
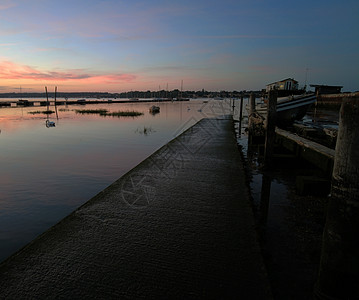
[(179, 225)]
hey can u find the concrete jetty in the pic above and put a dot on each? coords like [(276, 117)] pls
[(179, 225)]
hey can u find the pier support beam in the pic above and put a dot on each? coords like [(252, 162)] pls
[(339, 267), (252, 103), (270, 127), (241, 109)]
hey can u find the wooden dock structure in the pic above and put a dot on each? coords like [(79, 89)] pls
[(315, 153)]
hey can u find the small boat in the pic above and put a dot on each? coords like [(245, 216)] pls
[(81, 101), (23, 102), (50, 124), (154, 109), (289, 108)]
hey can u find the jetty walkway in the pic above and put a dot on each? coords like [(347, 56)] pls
[(179, 225)]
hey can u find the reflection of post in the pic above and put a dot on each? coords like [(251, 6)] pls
[(339, 266), (264, 204), (270, 130)]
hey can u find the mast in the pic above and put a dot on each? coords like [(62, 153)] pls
[(305, 82), (181, 88)]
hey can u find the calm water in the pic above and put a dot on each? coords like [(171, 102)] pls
[(46, 173), (290, 225)]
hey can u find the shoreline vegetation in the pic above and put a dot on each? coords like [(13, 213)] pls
[(171, 94), (105, 113), (101, 112)]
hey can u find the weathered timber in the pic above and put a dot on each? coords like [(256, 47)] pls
[(339, 267), (270, 127), (317, 154), (241, 109)]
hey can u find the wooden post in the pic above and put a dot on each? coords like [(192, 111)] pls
[(47, 99), (252, 101), (270, 128), (241, 109), (252, 105), (57, 116), (252, 109), (240, 115), (55, 94), (339, 266)]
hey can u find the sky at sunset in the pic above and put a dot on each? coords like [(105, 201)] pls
[(116, 46)]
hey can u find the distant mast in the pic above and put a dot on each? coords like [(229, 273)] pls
[(305, 82), (181, 89)]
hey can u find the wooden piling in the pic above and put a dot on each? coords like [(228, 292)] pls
[(47, 98), (57, 116), (270, 127), (240, 115), (252, 109), (339, 266), (252, 103), (55, 94), (241, 109)]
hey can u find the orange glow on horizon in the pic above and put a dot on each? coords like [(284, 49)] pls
[(14, 75)]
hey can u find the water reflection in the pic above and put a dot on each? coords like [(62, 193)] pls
[(264, 202), (290, 226)]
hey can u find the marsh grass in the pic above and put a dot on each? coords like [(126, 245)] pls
[(145, 130), (125, 114), (91, 111), (104, 112), (45, 112)]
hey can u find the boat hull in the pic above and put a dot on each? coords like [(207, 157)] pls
[(289, 109)]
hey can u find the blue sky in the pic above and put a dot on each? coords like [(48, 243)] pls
[(110, 45)]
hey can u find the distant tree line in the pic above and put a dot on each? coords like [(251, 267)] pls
[(134, 94)]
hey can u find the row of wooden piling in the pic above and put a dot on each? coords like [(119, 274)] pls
[(338, 276)]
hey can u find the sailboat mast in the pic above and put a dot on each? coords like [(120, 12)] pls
[(181, 87)]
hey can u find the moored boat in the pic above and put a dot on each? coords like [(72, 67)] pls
[(81, 101), (154, 109), (289, 108)]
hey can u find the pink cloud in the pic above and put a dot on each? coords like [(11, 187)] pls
[(11, 70), (6, 6)]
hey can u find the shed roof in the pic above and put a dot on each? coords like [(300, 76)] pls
[(283, 81), (324, 85)]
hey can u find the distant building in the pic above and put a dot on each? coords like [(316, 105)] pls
[(288, 84), (321, 89)]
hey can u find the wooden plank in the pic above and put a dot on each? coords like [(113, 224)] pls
[(323, 150)]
